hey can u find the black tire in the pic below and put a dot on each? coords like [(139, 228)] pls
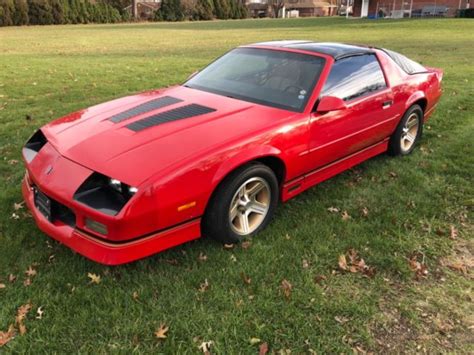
[(396, 145), (216, 221)]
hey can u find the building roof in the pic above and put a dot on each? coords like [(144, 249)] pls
[(335, 50)]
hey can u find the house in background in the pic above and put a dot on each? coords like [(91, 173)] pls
[(293, 8), (408, 8), (145, 9)]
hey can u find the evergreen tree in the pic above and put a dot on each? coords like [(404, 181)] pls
[(20, 16), (57, 12), (204, 10), (40, 12), (6, 13)]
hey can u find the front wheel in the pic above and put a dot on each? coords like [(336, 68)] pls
[(408, 132), (242, 205)]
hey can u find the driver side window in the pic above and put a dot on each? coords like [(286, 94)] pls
[(354, 77)]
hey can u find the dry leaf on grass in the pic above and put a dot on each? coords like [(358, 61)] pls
[(333, 209), (247, 280), (418, 267), (21, 316), (161, 331), (229, 246), (30, 272), (453, 232), (2, 286), (246, 244), (11, 278), (202, 256), (263, 349), (39, 313), (254, 341), (204, 286), (95, 279), (287, 287), (5, 337), (352, 262), (345, 216), (205, 347), (18, 206)]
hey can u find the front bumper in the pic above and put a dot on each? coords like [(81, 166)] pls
[(105, 252)]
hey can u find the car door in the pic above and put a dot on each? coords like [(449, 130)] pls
[(367, 119)]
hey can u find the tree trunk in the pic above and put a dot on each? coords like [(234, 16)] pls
[(134, 9)]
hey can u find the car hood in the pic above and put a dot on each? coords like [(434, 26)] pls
[(99, 137)]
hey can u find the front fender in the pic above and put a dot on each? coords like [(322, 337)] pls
[(243, 157)]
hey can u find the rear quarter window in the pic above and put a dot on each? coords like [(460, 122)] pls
[(407, 65)]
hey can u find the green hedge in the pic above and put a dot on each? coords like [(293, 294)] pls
[(48, 12), (174, 10), (468, 13)]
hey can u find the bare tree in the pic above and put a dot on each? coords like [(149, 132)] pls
[(134, 9), (276, 5)]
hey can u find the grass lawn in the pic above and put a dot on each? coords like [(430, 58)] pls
[(414, 208)]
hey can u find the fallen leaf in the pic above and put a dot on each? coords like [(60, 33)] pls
[(204, 286), (305, 264), (393, 174), (135, 295), (22, 312), (333, 209), (171, 261), (254, 341), (15, 216), (95, 279), (365, 212), (13, 162), (18, 206), (345, 216), (27, 282), (39, 313), (205, 347), (263, 349), (342, 262), (202, 256), (161, 331), (5, 337), (319, 279), (228, 246), (30, 272), (454, 232), (11, 278), (352, 262), (287, 287), (419, 268), (233, 258), (246, 244), (459, 266), (341, 320), (247, 280)]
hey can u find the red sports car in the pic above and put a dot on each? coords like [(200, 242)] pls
[(129, 178)]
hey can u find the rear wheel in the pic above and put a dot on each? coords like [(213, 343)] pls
[(242, 205), (408, 132)]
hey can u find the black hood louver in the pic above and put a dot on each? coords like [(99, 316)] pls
[(168, 116), (34, 144), (145, 107)]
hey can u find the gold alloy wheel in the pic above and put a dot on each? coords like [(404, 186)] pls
[(249, 206), (409, 132)]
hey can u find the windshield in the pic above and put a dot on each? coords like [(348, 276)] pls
[(268, 77)]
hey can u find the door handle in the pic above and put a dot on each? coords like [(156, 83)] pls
[(387, 104)]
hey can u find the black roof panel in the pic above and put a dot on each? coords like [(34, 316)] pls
[(335, 50)]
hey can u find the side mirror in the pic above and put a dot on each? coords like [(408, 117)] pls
[(192, 75), (330, 103)]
